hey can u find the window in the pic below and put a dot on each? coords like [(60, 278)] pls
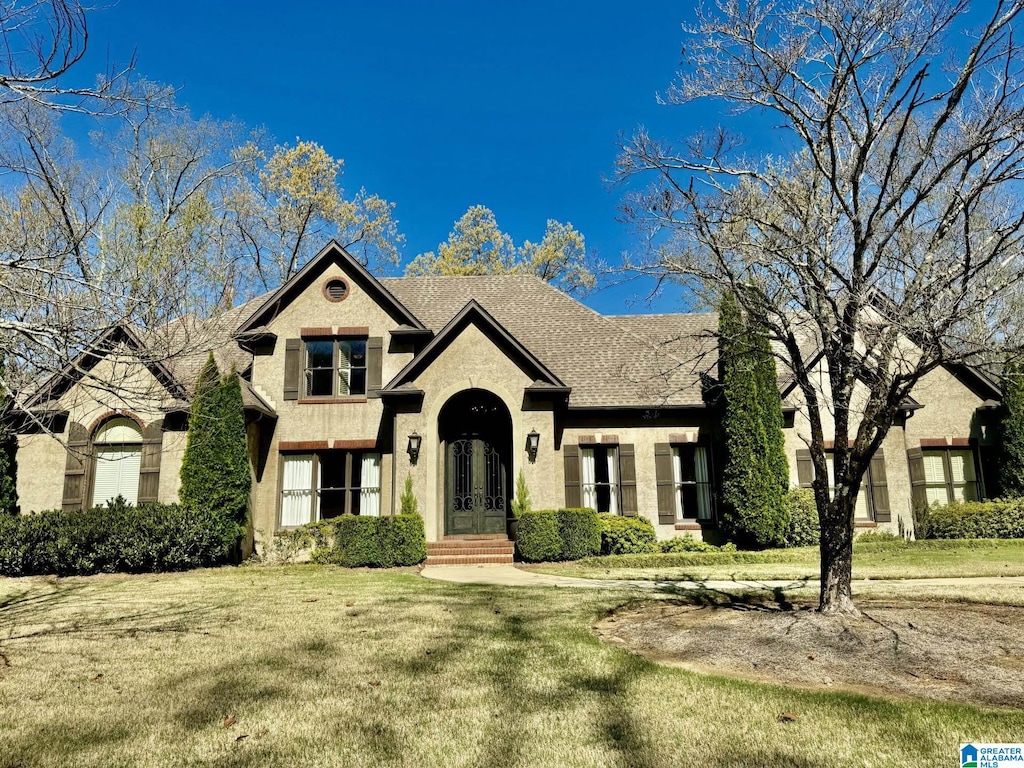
[(863, 508), (690, 468), (319, 486), (600, 470), (335, 367), (949, 475), (118, 446)]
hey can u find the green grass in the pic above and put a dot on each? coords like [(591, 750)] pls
[(326, 667), (871, 560)]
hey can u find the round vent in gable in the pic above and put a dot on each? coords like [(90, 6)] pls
[(335, 289)]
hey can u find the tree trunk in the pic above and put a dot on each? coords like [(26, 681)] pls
[(837, 556)]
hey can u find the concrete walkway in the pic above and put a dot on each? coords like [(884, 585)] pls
[(510, 576)]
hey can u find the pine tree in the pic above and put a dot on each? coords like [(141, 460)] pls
[(1011, 468), (755, 476), (215, 468)]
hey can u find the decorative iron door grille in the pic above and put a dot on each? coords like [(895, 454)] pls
[(476, 487)]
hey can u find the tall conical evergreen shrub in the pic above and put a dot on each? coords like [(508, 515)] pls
[(215, 468), (755, 511), (8, 473), (1011, 468)]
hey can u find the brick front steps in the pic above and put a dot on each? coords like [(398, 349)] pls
[(470, 550)]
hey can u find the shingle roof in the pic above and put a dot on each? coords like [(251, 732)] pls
[(606, 362)]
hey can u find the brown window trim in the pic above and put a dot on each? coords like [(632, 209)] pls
[(337, 332), (591, 441), (691, 526), (331, 400), (946, 446)]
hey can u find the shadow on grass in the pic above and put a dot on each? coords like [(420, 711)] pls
[(748, 598), (498, 676)]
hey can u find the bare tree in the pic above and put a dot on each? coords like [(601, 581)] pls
[(886, 240), (41, 41)]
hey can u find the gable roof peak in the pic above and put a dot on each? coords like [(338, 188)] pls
[(331, 254)]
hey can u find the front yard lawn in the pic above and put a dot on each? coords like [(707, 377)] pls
[(871, 560), (317, 666)]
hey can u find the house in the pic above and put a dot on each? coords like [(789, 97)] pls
[(352, 384)]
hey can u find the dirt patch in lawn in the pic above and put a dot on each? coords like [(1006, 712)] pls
[(948, 651)]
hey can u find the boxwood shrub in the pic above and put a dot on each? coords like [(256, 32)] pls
[(537, 539), (804, 529), (403, 540), (118, 537), (580, 532), (996, 519), (626, 535), (353, 541)]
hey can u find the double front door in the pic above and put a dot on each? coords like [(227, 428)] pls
[(475, 479)]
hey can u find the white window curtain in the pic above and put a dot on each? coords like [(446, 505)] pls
[(587, 468), (117, 473), (344, 374), (677, 477), (369, 492), (613, 481), (297, 489), (700, 462)]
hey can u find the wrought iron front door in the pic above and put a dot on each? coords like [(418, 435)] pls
[(476, 483)]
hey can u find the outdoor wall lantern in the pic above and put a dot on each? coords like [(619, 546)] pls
[(532, 444), (414, 447)]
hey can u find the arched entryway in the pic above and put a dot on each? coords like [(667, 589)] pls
[(475, 429)]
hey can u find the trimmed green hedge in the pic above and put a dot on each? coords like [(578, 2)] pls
[(558, 534), (627, 535), (580, 532), (804, 529), (537, 538), (403, 540), (115, 538), (373, 542), (996, 519)]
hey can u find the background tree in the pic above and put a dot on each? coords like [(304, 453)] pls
[(755, 476), (291, 204), (884, 229), (1011, 468), (477, 246)]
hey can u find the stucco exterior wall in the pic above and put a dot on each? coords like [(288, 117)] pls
[(119, 383), (356, 418), (472, 361)]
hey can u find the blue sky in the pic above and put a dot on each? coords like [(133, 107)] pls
[(434, 106), (438, 106)]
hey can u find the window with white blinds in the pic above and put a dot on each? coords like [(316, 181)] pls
[(117, 473), (949, 476), (118, 446)]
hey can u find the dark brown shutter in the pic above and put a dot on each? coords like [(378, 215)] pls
[(573, 489), (879, 489), (76, 468), (627, 480), (918, 488), (666, 480), (804, 468), (374, 363), (292, 368), (149, 470)]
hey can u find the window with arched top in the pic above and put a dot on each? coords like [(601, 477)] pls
[(118, 453)]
